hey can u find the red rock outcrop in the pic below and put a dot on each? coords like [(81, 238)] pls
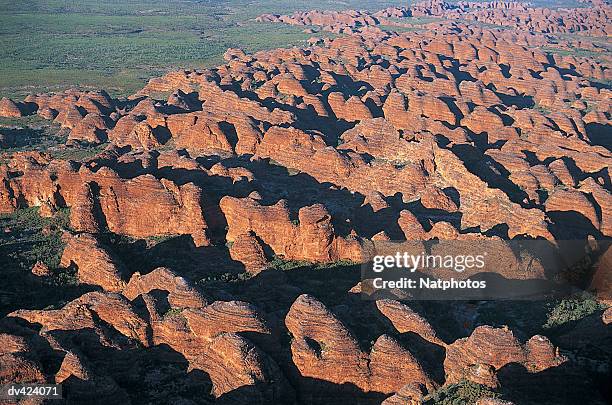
[(409, 394), (323, 348), (84, 384), (227, 316), (405, 320), (17, 365), (40, 269), (232, 361), (496, 347), (309, 153), (475, 193), (198, 131), (392, 366), (85, 311), (247, 250), (572, 200), (95, 264), (9, 109), (312, 238), (180, 293), (91, 129), (104, 199), (352, 109)]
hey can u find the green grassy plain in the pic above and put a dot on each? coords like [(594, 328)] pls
[(51, 45)]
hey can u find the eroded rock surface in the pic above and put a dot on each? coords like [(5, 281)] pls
[(221, 225)]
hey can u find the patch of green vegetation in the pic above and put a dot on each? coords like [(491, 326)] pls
[(591, 106), (541, 109), (398, 28), (176, 252), (116, 239), (224, 278), (65, 277), (606, 82), (80, 153), (485, 25), (47, 139), (160, 238), (32, 121), (172, 312), (575, 52), (62, 218), (293, 172), (526, 316), (552, 4), (314, 278), (536, 317), (279, 263), (32, 238), (416, 20), (32, 133), (51, 45), (398, 163), (218, 8), (571, 309), (462, 393), (29, 134), (274, 162), (25, 239)]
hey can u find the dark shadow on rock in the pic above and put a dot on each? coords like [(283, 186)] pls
[(599, 134), (156, 374), (571, 225), (430, 356), (561, 385), (21, 137), (22, 290), (314, 391), (491, 172), (519, 101)]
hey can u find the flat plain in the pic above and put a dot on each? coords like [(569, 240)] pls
[(52, 45)]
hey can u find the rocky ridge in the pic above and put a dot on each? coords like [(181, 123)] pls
[(465, 131)]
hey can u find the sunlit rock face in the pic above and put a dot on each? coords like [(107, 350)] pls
[(214, 234)]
